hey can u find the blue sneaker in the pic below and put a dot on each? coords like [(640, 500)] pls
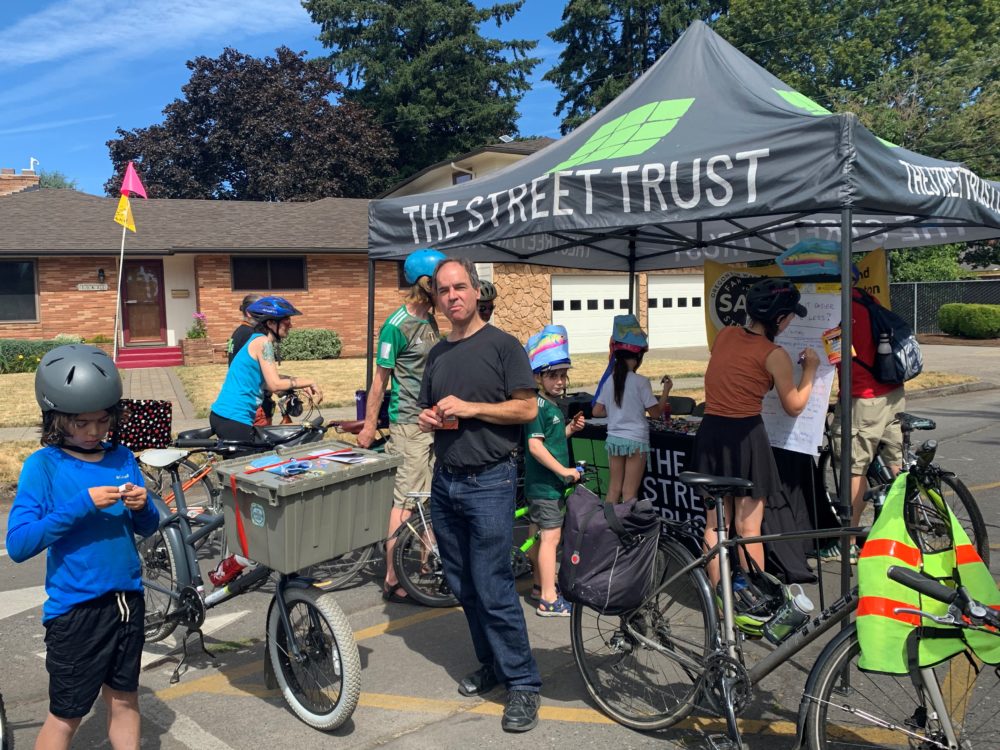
[(559, 608)]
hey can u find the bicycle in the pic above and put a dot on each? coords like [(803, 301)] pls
[(676, 633), (951, 706), (312, 655), (949, 488)]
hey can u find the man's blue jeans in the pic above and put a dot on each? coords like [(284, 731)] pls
[(473, 517)]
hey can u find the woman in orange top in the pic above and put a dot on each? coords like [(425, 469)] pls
[(731, 441)]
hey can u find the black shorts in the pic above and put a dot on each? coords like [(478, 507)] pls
[(96, 643)]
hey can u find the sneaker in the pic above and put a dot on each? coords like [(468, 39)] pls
[(520, 713), (483, 680), (855, 554), (559, 608), (825, 554), (226, 571)]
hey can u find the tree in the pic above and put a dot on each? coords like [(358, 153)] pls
[(936, 263), (434, 81), (258, 129), (608, 44), (922, 75), (982, 254), (55, 180)]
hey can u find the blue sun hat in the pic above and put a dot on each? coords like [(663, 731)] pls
[(549, 349)]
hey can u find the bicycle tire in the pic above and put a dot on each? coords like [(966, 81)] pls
[(6, 735), (967, 513), (418, 568), (618, 670), (202, 493), (341, 570), (323, 689), (158, 563), (894, 699)]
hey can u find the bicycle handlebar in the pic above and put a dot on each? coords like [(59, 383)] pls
[(959, 598), (923, 584)]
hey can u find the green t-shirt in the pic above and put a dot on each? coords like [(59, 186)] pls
[(549, 425), (403, 345)]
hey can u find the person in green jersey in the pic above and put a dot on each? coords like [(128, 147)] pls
[(404, 342), (546, 464)]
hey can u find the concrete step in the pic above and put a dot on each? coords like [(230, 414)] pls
[(152, 356)]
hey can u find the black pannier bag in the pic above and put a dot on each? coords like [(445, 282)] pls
[(608, 552)]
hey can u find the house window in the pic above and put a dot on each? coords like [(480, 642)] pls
[(558, 305), (457, 178), (609, 304), (18, 297), (271, 274), (652, 303), (591, 304)]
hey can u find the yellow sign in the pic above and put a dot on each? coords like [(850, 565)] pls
[(123, 215), (725, 289)]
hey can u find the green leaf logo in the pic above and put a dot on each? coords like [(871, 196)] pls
[(803, 102), (631, 134)]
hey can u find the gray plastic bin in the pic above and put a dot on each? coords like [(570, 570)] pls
[(294, 522)]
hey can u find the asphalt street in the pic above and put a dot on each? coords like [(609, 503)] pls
[(413, 657)]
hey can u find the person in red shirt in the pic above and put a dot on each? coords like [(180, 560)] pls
[(874, 406)]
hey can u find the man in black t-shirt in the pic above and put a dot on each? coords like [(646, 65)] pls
[(477, 390)]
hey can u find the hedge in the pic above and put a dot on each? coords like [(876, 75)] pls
[(311, 343), (23, 355), (970, 321)]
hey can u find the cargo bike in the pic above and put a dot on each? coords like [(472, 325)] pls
[(286, 511)]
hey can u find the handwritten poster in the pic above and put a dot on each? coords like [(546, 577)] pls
[(804, 434)]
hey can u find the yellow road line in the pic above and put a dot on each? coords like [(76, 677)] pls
[(403, 622), (990, 486)]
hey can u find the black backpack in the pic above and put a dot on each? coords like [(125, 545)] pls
[(905, 361), (608, 552)]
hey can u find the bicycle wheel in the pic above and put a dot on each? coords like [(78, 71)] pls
[(159, 566), (869, 710), (341, 570), (637, 685), (322, 687), (419, 567), (961, 502), (6, 735)]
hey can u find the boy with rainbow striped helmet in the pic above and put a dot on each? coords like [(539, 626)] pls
[(546, 463)]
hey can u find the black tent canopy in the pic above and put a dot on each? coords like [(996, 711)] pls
[(706, 156)]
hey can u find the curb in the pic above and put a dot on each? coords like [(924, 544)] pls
[(952, 390)]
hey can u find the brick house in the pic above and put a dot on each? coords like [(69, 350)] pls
[(59, 258)]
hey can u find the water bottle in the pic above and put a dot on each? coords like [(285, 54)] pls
[(790, 615), (886, 366)]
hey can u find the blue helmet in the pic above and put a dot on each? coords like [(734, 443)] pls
[(271, 308), (421, 263)]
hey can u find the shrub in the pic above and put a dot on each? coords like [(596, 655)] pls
[(980, 321), (311, 343), (971, 321), (100, 339), (199, 328), (23, 355), (948, 318), (67, 338)]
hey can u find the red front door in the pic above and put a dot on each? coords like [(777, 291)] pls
[(144, 318)]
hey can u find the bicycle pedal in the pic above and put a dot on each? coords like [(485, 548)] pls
[(722, 742)]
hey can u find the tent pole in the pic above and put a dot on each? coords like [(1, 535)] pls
[(846, 337), (631, 274), (370, 327)]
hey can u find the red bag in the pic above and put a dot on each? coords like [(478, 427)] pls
[(145, 424)]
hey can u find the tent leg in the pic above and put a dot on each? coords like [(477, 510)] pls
[(370, 327), (631, 276), (846, 335)]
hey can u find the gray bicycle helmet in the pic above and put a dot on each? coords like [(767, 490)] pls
[(77, 379), (770, 298), (487, 292)]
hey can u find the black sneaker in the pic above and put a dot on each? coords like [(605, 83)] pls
[(483, 680), (520, 714)]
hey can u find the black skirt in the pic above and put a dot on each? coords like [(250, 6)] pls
[(737, 447)]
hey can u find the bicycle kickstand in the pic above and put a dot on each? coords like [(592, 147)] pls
[(176, 676)]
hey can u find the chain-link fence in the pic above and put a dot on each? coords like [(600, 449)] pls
[(918, 302)]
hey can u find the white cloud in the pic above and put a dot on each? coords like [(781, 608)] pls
[(49, 125), (113, 29)]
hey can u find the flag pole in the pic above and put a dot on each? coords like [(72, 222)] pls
[(118, 297)]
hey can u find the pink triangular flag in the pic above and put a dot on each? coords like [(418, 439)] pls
[(132, 183)]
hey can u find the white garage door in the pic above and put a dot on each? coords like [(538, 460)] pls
[(676, 311), (587, 305)]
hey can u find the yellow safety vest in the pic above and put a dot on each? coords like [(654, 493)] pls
[(896, 643)]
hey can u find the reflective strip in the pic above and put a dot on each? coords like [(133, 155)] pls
[(965, 554), (892, 548), (883, 607)]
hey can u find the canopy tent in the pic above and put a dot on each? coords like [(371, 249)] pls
[(706, 156)]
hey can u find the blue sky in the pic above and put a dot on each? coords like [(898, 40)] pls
[(72, 71)]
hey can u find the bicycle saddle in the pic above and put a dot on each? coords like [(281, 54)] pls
[(202, 433), (715, 485), (909, 422), (277, 434), (161, 458)]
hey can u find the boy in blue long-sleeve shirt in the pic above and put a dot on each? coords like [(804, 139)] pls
[(82, 500)]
